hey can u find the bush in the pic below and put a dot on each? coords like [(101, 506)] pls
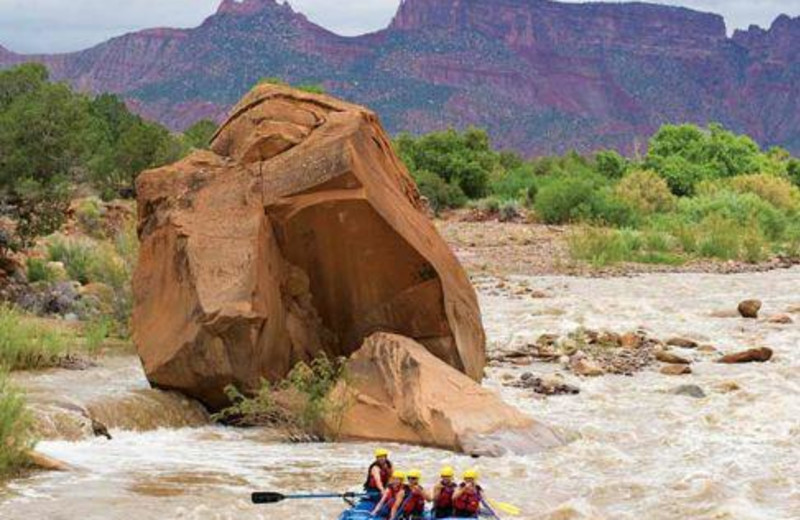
[(315, 381), (611, 164), (778, 191), (509, 210), (645, 191), (89, 215), (39, 271), (439, 193), (739, 209), (517, 184), (26, 344), (96, 332), (559, 201), (77, 255), (244, 411), (16, 438)]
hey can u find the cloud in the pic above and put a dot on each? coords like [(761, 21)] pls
[(61, 25)]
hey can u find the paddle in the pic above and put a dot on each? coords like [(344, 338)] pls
[(489, 508), (269, 497), (505, 507)]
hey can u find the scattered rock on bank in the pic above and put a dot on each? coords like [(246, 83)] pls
[(549, 385), (673, 359), (749, 308), (753, 355), (781, 319), (682, 343)]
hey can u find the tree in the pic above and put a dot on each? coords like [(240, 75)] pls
[(611, 164), (199, 134)]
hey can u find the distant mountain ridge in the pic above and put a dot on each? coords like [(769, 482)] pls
[(541, 76)]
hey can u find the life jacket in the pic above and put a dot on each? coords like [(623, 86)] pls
[(469, 501), (445, 499), (386, 474), (414, 502), (391, 496)]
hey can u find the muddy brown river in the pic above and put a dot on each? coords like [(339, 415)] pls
[(637, 450)]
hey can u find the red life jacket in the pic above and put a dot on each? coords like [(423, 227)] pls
[(414, 501), (445, 499), (386, 474), (469, 501), (391, 495)]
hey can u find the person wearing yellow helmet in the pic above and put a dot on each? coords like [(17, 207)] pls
[(393, 497), (468, 498), (413, 507), (378, 473), (443, 493)]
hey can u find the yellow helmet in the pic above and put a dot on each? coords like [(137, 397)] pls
[(471, 474), (414, 473), (380, 452), (448, 472), (399, 475)]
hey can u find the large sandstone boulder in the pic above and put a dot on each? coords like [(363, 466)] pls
[(300, 232), (397, 390)]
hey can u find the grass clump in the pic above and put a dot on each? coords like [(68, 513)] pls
[(26, 343), (16, 425), (39, 271)]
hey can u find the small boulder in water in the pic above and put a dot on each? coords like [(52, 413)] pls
[(669, 357), (749, 308), (676, 370), (690, 391), (753, 355), (781, 319), (682, 343)]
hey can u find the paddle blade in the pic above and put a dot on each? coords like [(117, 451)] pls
[(267, 497), (511, 509)]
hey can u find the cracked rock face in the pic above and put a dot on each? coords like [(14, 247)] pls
[(300, 232)]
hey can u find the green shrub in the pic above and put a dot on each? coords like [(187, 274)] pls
[(611, 164), (312, 88), (96, 332), (778, 191), (602, 246), (39, 271), (645, 191), (244, 411), (27, 344), (739, 209), (439, 193), (561, 200), (315, 381), (517, 184), (16, 439), (89, 216), (77, 255), (510, 210), (719, 237)]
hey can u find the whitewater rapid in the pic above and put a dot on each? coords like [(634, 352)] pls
[(637, 450)]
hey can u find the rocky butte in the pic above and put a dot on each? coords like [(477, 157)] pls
[(541, 76), (301, 233)]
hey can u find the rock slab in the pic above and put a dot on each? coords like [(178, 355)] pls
[(422, 400), (299, 233)]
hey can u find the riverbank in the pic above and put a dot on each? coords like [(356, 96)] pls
[(637, 451)]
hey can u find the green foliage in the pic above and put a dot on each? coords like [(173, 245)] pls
[(96, 332), (199, 134), (77, 255), (16, 425), (439, 193), (563, 199), (611, 164), (244, 411), (463, 159), (778, 191), (312, 88), (26, 343), (646, 192), (39, 271), (315, 381), (50, 135)]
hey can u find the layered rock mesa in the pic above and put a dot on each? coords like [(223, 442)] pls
[(299, 233), (541, 76)]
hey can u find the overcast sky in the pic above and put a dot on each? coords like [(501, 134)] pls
[(66, 25)]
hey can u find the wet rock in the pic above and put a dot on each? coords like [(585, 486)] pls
[(299, 233), (690, 391), (669, 357), (99, 429), (753, 355), (682, 343), (44, 462), (399, 391), (676, 370), (781, 319), (749, 308), (583, 366), (631, 340), (539, 295), (707, 349), (549, 385), (73, 362)]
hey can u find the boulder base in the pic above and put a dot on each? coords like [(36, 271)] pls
[(400, 392), (299, 233)]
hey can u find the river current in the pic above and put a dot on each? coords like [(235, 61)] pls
[(637, 451)]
